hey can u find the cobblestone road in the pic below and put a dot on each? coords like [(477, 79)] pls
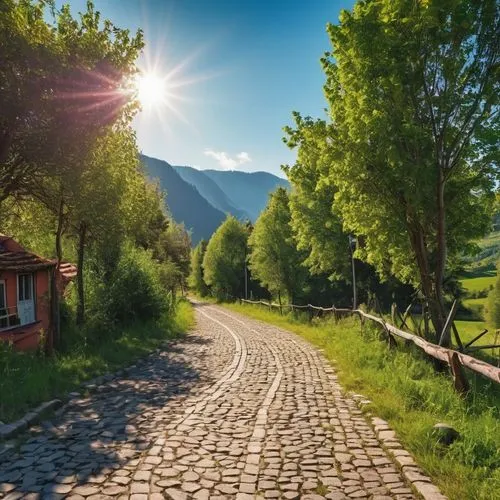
[(233, 410)]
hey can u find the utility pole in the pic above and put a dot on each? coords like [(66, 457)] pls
[(352, 241), (246, 280)]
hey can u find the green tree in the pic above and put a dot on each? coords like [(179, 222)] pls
[(317, 226), (196, 280), (274, 258), (225, 259), (62, 86), (174, 247), (413, 92), (97, 202)]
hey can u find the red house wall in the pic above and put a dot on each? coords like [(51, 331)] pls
[(42, 303), (10, 279), (42, 299)]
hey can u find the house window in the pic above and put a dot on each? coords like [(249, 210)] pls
[(3, 301), (25, 287), (4, 320)]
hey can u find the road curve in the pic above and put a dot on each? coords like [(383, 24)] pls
[(236, 409)]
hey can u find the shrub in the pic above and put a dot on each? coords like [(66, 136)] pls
[(135, 291)]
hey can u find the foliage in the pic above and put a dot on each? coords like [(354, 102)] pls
[(406, 391), (274, 258), (135, 292), (225, 259), (493, 303), (196, 280), (415, 118), (62, 87), (72, 169), (173, 249), (317, 227)]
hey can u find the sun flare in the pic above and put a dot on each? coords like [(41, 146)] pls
[(151, 89)]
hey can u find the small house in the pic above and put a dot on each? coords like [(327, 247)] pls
[(26, 282)]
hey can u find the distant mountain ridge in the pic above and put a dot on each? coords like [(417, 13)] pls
[(201, 199), (249, 191), (185, 203), (210, 190)]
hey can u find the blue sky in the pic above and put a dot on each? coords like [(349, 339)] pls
[(241, 68)]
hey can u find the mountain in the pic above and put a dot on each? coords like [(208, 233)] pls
[(184, 201), (202, 198), (210, 190), (248, 191)]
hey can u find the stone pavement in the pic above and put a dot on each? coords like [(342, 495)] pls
[(236, 409)]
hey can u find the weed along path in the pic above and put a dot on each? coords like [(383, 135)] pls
[(236, 409)]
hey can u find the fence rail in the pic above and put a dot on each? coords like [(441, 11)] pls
[(455, 359), (8, 317)]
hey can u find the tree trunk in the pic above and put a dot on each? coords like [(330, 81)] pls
[(440, 259), (60, 224), (80, 308), (426, 279)]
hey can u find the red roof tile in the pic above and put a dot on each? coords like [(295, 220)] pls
[(21, 260)]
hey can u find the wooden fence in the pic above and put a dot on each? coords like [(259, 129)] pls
[(455, 359)]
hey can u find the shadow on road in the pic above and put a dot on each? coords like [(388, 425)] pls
[(109, 429)]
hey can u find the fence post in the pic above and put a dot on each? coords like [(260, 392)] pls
[(394, 312), (445, 338), (425, 314), (335, 314), (457, 370)]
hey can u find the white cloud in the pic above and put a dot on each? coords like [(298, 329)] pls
[(243, 157), (227, 162)]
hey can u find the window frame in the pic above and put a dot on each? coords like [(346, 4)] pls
[(4, 295)]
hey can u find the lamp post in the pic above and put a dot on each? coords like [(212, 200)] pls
[(352, 247), (246, 279)]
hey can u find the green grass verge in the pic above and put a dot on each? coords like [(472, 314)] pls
[(406, 391), (27, 379)]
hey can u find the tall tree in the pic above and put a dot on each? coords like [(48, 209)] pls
[(225, 259), (63, 84), (98, 201), (316, 224), (413, 92), (196, 280), (274, 258), (174, 246)]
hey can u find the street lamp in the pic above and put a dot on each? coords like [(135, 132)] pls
[(246, 279), (352, 247)]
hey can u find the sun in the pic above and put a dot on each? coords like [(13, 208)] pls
[(151, 89)]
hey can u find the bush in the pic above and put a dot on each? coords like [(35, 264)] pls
[(135, 291)]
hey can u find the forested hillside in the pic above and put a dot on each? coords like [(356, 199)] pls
[(185, 203)]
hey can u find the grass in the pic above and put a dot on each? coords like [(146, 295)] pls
[(477, 281), (405, 390), (27, 379), (485, 261), (479, 284), (469, 329)]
